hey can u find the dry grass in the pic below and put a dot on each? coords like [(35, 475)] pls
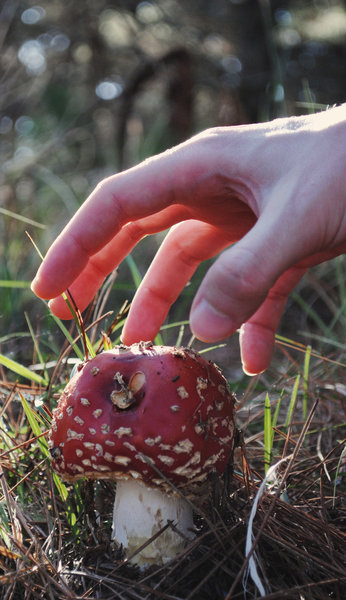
[(55, 548), (52, 547)]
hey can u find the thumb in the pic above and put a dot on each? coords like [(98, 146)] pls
[(239, 281)]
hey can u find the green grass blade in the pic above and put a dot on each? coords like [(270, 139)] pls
[(180, 325), (324, 340), (292, 402), (135, 274), (18, 217), (115, 341), (37, 348), (35, 245), (24, 372), (267, 433), (35, 422), (4, 528), (66, 333), (339, 317), (180, 335), (210, 348), (311, 313), (159, 340), (62, 489), (5, 283), (175, 324), (306, 381), (275, 419), (282, 338), (73, 509), (309, 102)]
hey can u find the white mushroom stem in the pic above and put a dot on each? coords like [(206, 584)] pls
[(140, 512)]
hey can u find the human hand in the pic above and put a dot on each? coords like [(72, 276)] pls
[(276, 189)]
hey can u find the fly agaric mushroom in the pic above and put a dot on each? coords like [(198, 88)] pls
[(158, 420)]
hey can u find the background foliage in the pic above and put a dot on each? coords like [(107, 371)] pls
[(88, 88)]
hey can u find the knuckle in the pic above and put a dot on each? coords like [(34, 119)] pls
[(245, 275), (134, 231)]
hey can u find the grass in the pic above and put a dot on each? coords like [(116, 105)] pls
[(276, 521), (55, 539), (279, 507)]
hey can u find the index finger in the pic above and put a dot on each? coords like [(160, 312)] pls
[(116, 201)]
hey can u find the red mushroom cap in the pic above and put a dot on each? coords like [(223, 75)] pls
[(138, 411)]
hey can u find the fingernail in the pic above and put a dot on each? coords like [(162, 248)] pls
[(255, 351), (208, 324), (34, 283)]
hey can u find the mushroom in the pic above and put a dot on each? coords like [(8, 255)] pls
[(157, 419)]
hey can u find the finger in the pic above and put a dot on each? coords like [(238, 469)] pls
[(257, 335), (319, 257), (106, 260), (177, 176), (239, 281), (92, 228), (184, 248)]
